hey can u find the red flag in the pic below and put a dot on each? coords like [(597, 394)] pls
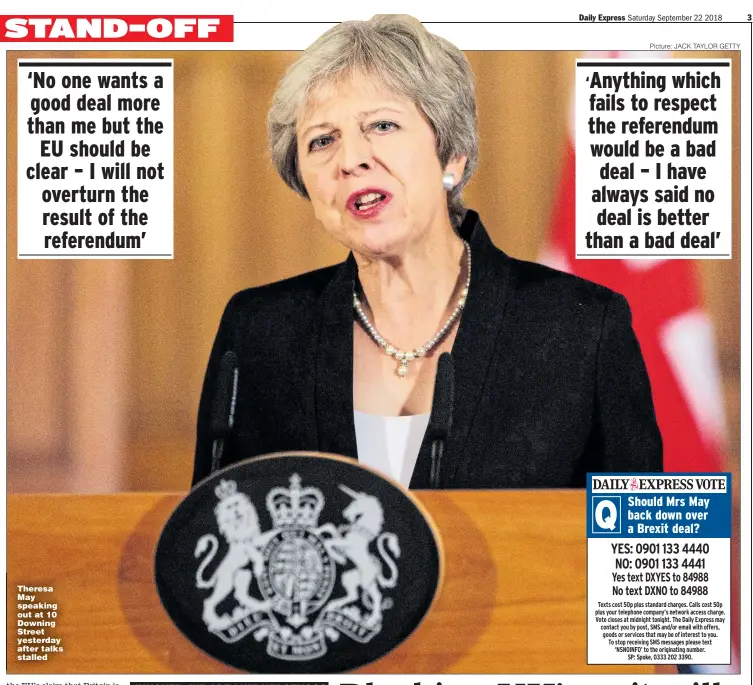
[(674, 331), (675, 335)]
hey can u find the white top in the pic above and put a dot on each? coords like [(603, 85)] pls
[(390, 444)]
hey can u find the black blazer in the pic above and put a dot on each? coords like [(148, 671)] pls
[(549, 378)]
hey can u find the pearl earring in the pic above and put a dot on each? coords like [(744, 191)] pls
[(448, 181)]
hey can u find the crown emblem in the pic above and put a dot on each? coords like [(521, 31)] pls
[(295, 506), (226, 488)]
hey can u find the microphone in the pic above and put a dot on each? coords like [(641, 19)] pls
[(440, 421), (223, 406)]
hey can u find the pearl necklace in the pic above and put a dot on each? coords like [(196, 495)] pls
[(404, 357)]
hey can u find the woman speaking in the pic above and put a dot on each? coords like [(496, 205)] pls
[(376, 125)]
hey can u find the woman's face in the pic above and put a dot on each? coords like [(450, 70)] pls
[(368, 159)]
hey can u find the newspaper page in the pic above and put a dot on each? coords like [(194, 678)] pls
[(612, 144)]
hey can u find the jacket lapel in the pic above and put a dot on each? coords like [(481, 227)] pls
[(473, 349), (336, 431)]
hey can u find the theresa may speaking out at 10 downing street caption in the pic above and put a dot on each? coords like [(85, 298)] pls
[(375, 124)]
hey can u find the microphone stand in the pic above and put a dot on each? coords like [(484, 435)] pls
[(223, 407), (440, 421)]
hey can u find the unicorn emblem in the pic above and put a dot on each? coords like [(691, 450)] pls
[(351, 541)]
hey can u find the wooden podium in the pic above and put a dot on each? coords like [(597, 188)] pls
[(513, 599)]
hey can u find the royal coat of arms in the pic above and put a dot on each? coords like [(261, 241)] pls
[(302, 597)]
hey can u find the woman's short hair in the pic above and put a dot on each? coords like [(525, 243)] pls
[(399, 52)]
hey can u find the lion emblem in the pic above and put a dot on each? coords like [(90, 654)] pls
[(239, 524)]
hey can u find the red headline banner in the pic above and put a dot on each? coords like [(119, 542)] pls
[(122, 28)]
